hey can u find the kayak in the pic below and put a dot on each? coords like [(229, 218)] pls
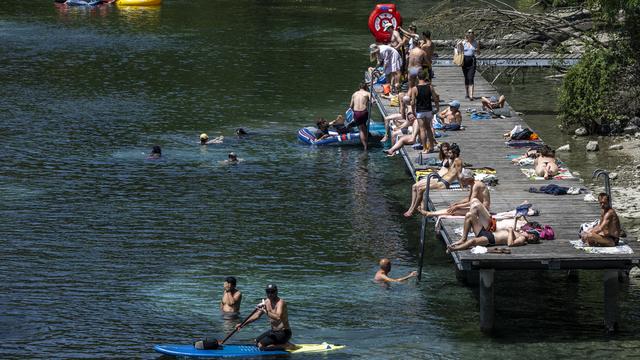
[(241, 350)]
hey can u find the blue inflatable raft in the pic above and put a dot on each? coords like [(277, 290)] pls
[(307, 134)]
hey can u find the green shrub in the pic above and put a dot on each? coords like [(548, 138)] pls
[(589, 89)]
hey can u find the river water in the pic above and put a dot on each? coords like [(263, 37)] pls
[(105, 253)]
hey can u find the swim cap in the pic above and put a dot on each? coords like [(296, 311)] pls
[(204, 136), (455, 104), (271, 288)]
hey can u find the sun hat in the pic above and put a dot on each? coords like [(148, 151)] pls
[(455, 104), (204, 136)]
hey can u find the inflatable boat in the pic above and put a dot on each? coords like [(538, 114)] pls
[(139, 2), (307, 135)]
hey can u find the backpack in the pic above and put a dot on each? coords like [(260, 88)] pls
[(523, 134), (547, 233)]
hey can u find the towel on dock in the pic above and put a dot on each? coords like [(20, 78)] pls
[(613, 250), (480, 116), (525, 143), (563, 174)]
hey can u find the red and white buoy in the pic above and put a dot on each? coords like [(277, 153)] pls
[(381, 15)]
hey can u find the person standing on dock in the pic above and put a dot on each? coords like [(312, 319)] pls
[(382, 275), (470, 48), (231, 298), (428, 47), (417, 62), (391, 61), (608, 230), (360, 106), (423, 97)]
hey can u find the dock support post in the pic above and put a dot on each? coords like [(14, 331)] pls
[(611, 285), (486, 300)]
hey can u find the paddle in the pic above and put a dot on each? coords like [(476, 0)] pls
[(241, 325)]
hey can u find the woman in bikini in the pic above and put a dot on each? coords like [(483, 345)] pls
[(546, 164)]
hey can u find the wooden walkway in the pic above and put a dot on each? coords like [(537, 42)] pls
[(482, 145)]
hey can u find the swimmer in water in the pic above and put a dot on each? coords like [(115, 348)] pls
[(204, 139), (156, 153)]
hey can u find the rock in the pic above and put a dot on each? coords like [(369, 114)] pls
[(576, 173), (593, 146), (635, 121), (637, 135), (564, 148), (616, 147), (631, 129), (613, 175), (581, 131), (638, 168)]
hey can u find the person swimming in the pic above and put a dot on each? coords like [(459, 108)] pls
[(156, 153)]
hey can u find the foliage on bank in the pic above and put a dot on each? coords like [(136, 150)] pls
[(602, 92)]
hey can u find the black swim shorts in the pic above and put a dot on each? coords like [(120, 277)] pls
[(271, 337), (488, 235)]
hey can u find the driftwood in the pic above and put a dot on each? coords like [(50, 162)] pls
[(498, 25)]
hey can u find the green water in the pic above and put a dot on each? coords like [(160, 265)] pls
[(105, 253)]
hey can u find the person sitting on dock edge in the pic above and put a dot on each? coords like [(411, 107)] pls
[(484, 227), (418, 189), (608, 230), (276, 310), (478, 192), (231, 298), (382, 275)]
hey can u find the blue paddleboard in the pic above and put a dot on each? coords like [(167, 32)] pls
[(226, 351)]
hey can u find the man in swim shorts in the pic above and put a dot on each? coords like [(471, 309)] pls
[(231, 298), (484, 226), (382, 275), (608, 230), (417, 60), (276, 310), (360, 105)]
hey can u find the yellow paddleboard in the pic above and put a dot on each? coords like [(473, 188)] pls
[(139, 2), (313, 348)]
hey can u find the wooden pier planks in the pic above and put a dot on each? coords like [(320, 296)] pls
[(482, 145)]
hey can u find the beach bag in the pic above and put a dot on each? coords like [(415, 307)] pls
[(458, 56), (523, 134), (547, 233)]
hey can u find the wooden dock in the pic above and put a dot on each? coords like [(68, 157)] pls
[(483, 145), (515, 60)]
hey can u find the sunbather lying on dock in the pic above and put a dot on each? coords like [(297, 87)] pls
[(493, 102), (607, 232), (418, 189), (545, 164), (399, 120), (484, 227), (477, 193)]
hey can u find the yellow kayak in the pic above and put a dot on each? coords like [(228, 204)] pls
[(139, 2)]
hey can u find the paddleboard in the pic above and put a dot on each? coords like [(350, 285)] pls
[(241, 350)]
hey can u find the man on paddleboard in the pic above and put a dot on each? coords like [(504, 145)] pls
[(231, 298), (276, 310)]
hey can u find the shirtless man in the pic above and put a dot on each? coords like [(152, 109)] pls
[(479, 192), (451, 117), (276, 310), (417, 61), (483, 226), (429, 49), (231, 298), (545, 165), (360, 105), (418, 189), (608, 231), (382, 275)]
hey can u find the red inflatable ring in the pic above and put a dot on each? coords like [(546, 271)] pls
[(381, 15)]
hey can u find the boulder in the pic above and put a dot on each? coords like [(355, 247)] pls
[(581, 131), (593, 146), (564, 148), (616, 147), (631, 129), (613, 175), (635, 121)]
